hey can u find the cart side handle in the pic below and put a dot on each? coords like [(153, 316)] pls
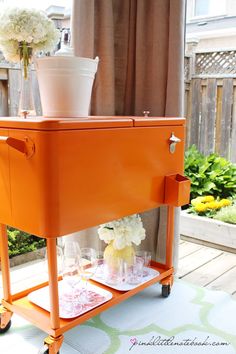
[(25, 146)]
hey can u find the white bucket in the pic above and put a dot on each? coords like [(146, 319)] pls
[(65, 85)]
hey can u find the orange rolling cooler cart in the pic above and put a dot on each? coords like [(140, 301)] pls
[(58, 176)]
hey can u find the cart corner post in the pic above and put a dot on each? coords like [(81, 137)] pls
[(53, 282), (5, 314)]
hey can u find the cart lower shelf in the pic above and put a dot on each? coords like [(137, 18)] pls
[(41, 318)]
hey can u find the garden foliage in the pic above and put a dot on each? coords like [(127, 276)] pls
[(20, 242), (227, 214), (210, 175)]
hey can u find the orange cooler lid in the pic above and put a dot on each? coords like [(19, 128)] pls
[(92, 122), (160, 121)]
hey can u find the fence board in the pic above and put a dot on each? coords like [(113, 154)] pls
[(227, 94), (3, 99), (218, 117), (233, 135), (196, 104), (187, 112), (202, 139), (14, 91), (3, 74), (211, 117)]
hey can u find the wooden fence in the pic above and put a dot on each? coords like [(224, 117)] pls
[(210, 102), (210, 108)]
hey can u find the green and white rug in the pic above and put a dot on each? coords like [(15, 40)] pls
[(191, 320)]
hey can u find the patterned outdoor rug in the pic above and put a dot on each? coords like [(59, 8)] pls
[(192, 320)]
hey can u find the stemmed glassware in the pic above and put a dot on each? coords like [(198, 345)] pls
[(88, 266), (71, 276), (59, 256)]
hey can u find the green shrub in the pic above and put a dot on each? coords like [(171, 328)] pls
[(227, 214), (20, 242), (210, 175)]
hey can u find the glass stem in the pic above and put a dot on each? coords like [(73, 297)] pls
[(86, 289)]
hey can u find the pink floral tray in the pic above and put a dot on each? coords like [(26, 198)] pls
[(97, 297)]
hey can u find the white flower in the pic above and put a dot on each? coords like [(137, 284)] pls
[(29, 27), (123, 232)]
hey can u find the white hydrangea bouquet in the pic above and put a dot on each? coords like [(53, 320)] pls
[(24, 32), (123, 232), (120, 235)]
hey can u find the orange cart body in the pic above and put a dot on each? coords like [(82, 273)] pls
[(58, 176), (82, 173)]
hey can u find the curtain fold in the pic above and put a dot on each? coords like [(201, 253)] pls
[(140, 44)]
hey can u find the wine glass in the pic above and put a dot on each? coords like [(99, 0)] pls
[(71, 277), (88, 266), (59, 258)]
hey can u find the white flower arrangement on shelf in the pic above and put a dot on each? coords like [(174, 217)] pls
[(123, 232), (24, 32)]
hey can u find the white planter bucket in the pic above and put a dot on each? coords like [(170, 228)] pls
[(65, 85)]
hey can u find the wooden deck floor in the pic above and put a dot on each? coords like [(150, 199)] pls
[(207, 267)]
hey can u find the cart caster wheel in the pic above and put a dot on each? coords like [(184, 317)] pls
[(4, 330), (165, 290), (45, 350)]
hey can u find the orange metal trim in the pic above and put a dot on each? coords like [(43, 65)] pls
[(5, 263)]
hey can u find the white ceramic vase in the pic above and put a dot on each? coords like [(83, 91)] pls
[(65, 85)]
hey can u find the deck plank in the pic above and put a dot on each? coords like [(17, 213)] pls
[(226, 282), (197, 259), (187, 248), (212, 270)]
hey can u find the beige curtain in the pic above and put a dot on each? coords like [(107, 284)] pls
[(140, 44)]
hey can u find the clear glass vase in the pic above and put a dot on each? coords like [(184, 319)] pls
[(112, 255), (26, 99)]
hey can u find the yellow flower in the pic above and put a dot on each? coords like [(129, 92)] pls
[(225, 202), (200, 207), (205, 199), (196, 201), (200, 199), (208, 198), (213, 205)]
